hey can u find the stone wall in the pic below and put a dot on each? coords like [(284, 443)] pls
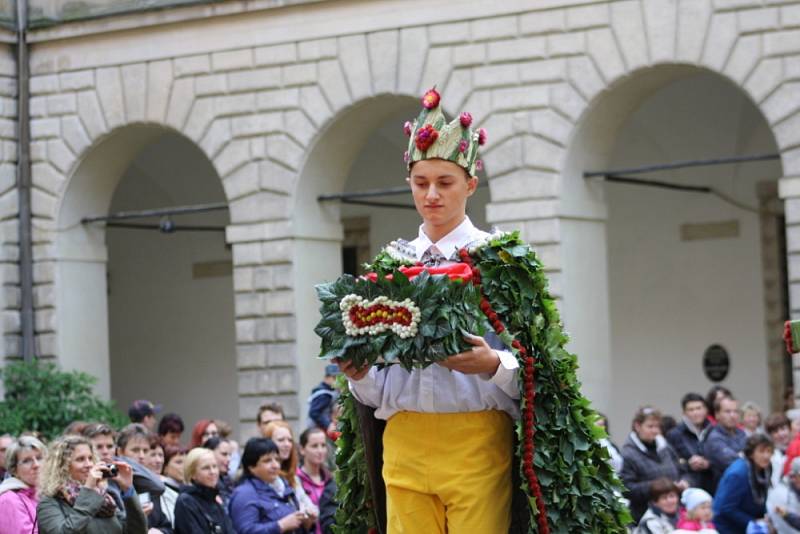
[(257, 109)]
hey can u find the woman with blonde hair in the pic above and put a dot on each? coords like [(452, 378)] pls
[(199, 509), (751, 418), (75, 494), (280, 432), (18, 492)]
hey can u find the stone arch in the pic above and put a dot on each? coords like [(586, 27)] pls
[(585, 214), (644, 35), (79, 252)]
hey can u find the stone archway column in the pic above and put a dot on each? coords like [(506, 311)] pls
[(274, 278), (789, 192), (81, 296)]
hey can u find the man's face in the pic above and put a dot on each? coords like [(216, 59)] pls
[(137, 449), (440, 189), (696, 412), (172, 438), (266, 417), (5, 441), (728, 414), (795, 480), (104, 447)]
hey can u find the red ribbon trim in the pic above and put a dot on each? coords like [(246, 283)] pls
[(456, 271)]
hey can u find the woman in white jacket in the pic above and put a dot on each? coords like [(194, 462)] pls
[(783, 502)]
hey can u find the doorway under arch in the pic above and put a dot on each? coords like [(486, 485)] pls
[(676, 271), (150, 313)]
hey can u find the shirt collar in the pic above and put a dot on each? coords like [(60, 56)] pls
[(449, 244)]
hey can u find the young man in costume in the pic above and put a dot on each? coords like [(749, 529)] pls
[(448, 438)]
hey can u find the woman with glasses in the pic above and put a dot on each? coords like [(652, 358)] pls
[(18, 492), (203, 430)]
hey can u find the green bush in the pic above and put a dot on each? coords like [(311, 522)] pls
[(40, 397)]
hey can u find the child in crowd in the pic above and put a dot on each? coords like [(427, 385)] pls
[(696, 514), (662, 511)]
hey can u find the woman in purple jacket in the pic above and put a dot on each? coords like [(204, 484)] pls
[(18, 498), (263, 502)]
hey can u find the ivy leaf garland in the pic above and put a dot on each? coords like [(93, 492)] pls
[(579, 488), (354, 511)]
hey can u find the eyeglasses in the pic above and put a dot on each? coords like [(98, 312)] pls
[(210, 434), (27, 462)]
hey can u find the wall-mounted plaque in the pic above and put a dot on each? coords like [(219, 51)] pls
[(716, 363)]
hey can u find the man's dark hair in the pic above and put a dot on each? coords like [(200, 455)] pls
[(719, 401), (270, 407), (691, 397), (133, 430), (98, 429), (711, 396), (171, 422), (667, 423), (775, 422), (254, 449)]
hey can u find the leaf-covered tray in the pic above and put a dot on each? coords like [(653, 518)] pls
[(413, 316)]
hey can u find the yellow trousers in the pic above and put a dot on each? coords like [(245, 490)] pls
[(448, 472)]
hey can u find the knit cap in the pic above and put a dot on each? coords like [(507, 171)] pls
[(694, 497)]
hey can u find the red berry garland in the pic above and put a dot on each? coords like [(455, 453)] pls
[(528, 413)]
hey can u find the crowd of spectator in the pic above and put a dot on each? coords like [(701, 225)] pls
[(141, 479), (720, 468)]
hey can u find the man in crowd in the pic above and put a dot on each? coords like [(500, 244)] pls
[(144, 412), (102, 437), (133, 447), (170, 429), (725, 440), (268, 413), (687, 440), (323, 400)]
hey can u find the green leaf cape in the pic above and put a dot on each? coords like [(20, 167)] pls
[(581, 492)]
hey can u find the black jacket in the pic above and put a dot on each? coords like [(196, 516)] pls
[(327, 507), (643, 465), (198, 512), (144, 481), (686, 441)]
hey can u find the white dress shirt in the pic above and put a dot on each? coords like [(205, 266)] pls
[(437, 389)]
